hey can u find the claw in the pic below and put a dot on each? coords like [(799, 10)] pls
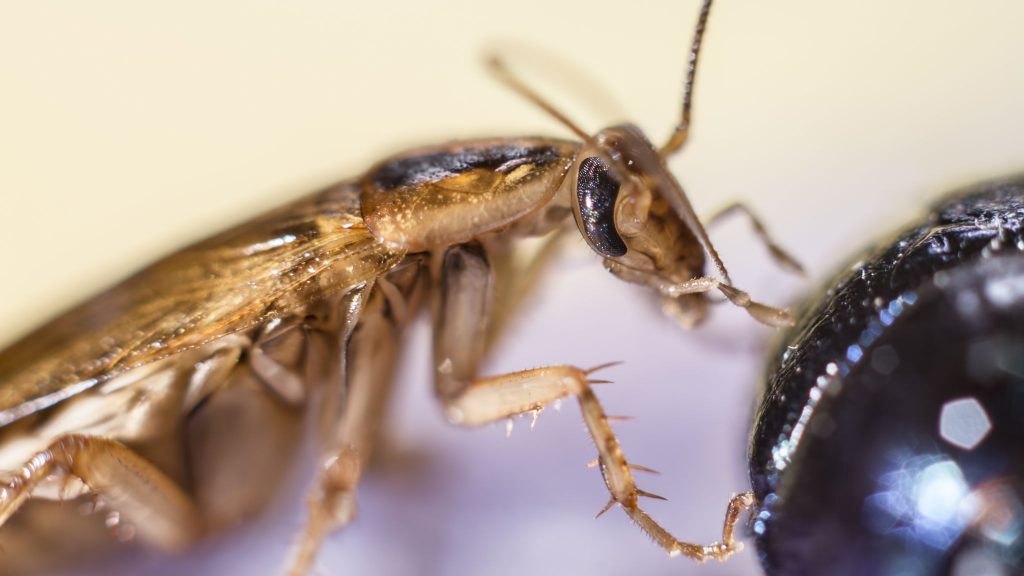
[(619, 418), (721, 551), (599, 382), (593, 463)]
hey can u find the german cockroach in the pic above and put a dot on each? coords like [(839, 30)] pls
[(160, 400)]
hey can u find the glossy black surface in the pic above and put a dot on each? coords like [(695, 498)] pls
[(596, 192), (433, 166), (890, 438)]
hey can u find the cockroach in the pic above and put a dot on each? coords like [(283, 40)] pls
[(136, 400)]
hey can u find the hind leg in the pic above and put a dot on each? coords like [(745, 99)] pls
[(136, 491)]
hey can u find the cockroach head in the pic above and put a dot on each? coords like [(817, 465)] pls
[(631, 211)]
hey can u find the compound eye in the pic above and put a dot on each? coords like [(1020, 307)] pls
[(596, 192)]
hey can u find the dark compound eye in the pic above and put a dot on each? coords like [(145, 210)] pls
[(596, 192)]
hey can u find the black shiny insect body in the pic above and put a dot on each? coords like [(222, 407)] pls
[(890, 436)]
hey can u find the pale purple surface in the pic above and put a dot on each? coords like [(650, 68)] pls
[(147, 126)]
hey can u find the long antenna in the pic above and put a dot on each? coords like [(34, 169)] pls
[(682, 130), (510, 80)]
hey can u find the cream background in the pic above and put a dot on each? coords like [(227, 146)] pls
[(127, 129)]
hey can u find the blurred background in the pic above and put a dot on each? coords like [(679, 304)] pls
[(129, 129)]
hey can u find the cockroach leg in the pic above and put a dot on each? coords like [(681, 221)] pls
[(277, 339), (463, 311), (761, 312), (516, 281), (781, 257), (159, 511), (717, 550), (368, 354)]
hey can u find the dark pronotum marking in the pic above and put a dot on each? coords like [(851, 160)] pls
[(596, 192), (435, 166)]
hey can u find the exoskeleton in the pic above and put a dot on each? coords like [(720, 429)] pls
[(136, 398)]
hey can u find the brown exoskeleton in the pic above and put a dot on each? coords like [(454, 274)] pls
[(137, 398)]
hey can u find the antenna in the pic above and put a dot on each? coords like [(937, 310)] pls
[(682, 130), (510, 80)]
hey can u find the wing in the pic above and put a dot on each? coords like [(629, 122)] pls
[(272, 267)]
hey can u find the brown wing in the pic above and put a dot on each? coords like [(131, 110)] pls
[(271, 267)]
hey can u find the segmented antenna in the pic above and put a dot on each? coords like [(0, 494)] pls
[(510, 80), (682, 130)]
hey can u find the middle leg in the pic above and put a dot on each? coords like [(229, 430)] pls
[(363, 346)]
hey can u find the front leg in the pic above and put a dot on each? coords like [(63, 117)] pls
[(464, 310)]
